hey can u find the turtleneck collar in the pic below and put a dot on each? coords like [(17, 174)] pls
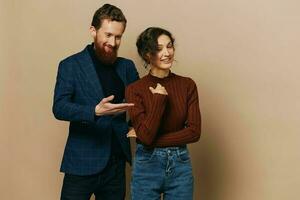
[(155, 78)]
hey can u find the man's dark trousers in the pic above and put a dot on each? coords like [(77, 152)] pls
[(107, 185)]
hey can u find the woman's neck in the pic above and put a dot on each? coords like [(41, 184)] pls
[(160, 73)]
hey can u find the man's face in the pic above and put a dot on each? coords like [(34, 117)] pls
[(107, 40)]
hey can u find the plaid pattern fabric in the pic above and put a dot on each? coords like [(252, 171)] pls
[(77, 92)]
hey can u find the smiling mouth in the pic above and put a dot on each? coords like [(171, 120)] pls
[(167, 61), (108, 48)]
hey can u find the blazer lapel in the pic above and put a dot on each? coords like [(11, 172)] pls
[(121, 71), (90, 73)]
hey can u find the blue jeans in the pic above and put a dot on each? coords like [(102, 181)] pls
[(165, 171)]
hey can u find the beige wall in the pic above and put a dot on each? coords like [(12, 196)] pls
[(244, 56)]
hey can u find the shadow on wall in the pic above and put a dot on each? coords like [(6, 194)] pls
[(212, 163)]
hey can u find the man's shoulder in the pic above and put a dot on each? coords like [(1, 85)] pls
[(125, 61), (76, 56)]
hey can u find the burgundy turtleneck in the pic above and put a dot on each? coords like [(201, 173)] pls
[(165, 120)]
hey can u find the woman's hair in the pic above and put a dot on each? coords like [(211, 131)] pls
[(147, 42)]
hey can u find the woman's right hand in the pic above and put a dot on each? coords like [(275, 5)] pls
[(159, 89)]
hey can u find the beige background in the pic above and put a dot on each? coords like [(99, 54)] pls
[(243, 55)]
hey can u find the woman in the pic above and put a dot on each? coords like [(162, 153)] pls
[(165, 117)]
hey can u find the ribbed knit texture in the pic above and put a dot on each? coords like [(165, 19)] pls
[(165, 120)]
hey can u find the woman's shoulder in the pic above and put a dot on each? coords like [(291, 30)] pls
[(184, 80), (137, 84)]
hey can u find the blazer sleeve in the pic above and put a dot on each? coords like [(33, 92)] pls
[(132, 73), (132, 76), (63, 106)]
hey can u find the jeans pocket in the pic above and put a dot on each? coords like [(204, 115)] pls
[(143, 155), (184, 156)]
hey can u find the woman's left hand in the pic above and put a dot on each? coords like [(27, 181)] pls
[(131, 133), (159, 89)]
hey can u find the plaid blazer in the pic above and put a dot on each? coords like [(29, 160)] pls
[(77, 92)]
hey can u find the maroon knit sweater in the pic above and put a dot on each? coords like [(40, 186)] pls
[(165, 120)]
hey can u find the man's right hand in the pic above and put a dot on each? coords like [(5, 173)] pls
[(107, 108)]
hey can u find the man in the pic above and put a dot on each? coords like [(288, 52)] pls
[(89, 92)]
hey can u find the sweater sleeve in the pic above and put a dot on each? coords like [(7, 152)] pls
[(192, 131), (145, 123)]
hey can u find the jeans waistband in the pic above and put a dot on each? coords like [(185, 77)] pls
[(165, 150)]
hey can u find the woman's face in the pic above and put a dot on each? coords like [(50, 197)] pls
[(164, 57)]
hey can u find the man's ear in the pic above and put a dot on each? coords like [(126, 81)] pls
[(93, 31)]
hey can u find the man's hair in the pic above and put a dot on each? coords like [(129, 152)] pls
[(109, 12), (147, 41)]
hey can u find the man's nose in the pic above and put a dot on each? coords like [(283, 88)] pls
[(112, 41)]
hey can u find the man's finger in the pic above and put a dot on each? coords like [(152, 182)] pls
[(120, 105), (118, 108), (108, 99)]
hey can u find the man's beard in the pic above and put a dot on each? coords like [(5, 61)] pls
[(104, 56)]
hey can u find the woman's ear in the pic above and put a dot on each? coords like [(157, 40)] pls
[(147, 58)]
